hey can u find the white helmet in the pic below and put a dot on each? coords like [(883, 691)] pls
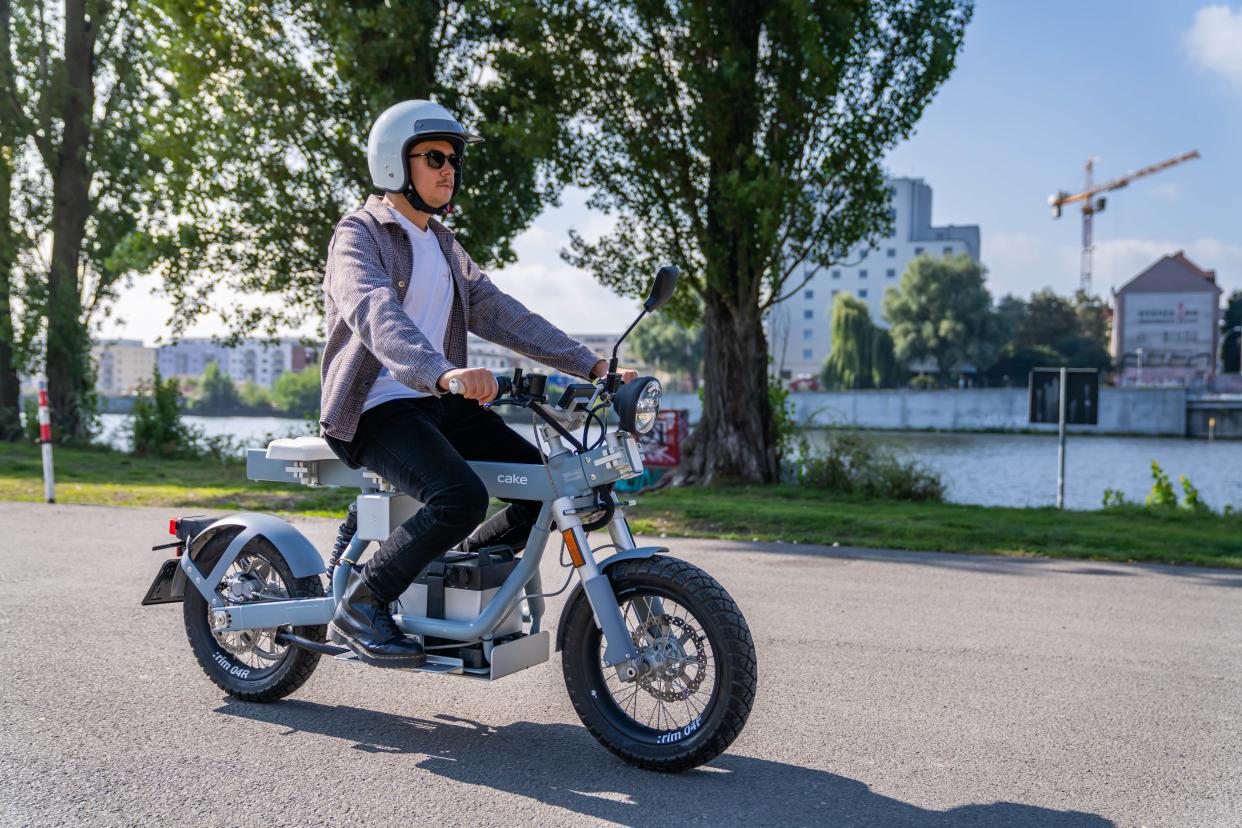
[(399, 128)]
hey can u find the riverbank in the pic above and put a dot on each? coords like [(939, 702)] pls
[(779, 514)]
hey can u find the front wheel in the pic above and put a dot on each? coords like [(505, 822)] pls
[(701, 676)]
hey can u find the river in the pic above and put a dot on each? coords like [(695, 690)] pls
[(986, 469)]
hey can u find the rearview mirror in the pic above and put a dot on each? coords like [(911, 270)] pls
[(662, 289)]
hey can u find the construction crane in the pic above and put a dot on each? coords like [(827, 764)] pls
[(1092, 205)]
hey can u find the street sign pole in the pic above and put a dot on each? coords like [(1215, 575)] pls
[(45, 439), (1062, 393)]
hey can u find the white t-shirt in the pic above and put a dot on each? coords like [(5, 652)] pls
[(428, 303)]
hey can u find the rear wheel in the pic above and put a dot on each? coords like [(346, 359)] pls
[(251, 664), (698, 689)]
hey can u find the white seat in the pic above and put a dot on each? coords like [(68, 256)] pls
[(300, 448)]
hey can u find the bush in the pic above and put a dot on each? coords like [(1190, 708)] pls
[(1115, 499), (1161, 495), (155, 421), (854, 464), (1190, 496), (297, 394), (923, 382)]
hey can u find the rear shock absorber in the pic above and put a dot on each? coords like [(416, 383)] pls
[(346, 532)]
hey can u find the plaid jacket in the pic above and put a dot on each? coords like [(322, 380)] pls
[(365, 282)]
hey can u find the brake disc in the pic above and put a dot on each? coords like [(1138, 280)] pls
[(671, 659)]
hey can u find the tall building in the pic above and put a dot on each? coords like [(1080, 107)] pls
[(252, 360), (799, 328), (122, 365), (1166, 325)]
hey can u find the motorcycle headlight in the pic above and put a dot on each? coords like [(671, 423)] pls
[(638, 403)]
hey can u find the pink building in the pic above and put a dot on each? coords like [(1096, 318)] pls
[(1166, 325)]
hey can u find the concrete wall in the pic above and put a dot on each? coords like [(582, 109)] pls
[(1217, 415), (1122, 410)]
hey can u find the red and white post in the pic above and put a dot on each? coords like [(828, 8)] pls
[(45, 438)]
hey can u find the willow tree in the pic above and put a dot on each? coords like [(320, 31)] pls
[(266, 132), (743, 142), (850, 362)]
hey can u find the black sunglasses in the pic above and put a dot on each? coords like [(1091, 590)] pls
[(436, 159)]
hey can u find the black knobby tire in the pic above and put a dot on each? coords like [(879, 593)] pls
[(223, 667), (735, 671)]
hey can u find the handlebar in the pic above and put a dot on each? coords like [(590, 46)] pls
[(503, 386)]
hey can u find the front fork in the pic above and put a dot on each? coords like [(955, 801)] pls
[(620, 651)]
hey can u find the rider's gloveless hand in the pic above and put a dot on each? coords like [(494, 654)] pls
[(477, 383)]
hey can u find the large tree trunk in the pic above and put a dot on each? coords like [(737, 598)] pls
[(69, 374), (10, 399), (734, 440)]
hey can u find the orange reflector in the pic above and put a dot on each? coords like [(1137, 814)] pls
[(571, 543)]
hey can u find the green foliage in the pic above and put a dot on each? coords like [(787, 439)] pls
[(297, 394), (216, 394), (1050, 331), (76, 90), (741, 145), (672, 346), (942, 310), (277, 100), (1190, 496), (30, 422), (885, 370), (852, 463), (1233, 341), (1162, 495), (255, 398), (923, 382), (1115, 499), (786, 432), (849, 363), (155, 421), (1015, 363)]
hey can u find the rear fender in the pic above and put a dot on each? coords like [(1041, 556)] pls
[(624, 555), (204, 564)]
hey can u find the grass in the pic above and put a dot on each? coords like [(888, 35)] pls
[(776, 513), (789, 514)]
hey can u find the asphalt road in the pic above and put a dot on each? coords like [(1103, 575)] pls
[(895, 689)]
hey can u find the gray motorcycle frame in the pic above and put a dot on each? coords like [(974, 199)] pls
[(563, 485)]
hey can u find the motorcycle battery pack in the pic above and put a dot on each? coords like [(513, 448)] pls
[(458, 585)]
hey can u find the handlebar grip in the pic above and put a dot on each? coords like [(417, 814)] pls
[(455, 386)]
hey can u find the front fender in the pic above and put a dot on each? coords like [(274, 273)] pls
[(205, 570), (623, 555)]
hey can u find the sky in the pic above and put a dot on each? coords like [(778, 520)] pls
[(1038, 88)]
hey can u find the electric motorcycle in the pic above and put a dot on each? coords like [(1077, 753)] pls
[(656, 655)]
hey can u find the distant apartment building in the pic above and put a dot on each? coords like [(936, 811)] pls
[(252, 360), (484, 354), (122, 365), (799, 328), (1166, 325)]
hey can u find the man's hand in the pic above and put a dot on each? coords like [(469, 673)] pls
[(601, 370), (477, 383)]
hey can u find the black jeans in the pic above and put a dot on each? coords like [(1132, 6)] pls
[(421, 446)]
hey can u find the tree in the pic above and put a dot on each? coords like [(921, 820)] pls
[(849, 363), (1232, 319), (216, 394), (1049, 319), (297, 393), (670, 345), (267, 130), (885, 370), (77, 106), (942, 310), (743, 143)]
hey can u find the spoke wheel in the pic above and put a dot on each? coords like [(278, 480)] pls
[(698, 681), (251, 664)]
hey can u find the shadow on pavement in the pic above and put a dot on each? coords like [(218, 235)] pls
[(562, 765)]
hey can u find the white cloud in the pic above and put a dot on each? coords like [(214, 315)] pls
[(1021, 263), (1214, 42)]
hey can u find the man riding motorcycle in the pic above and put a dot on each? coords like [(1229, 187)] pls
[(400, 294)]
